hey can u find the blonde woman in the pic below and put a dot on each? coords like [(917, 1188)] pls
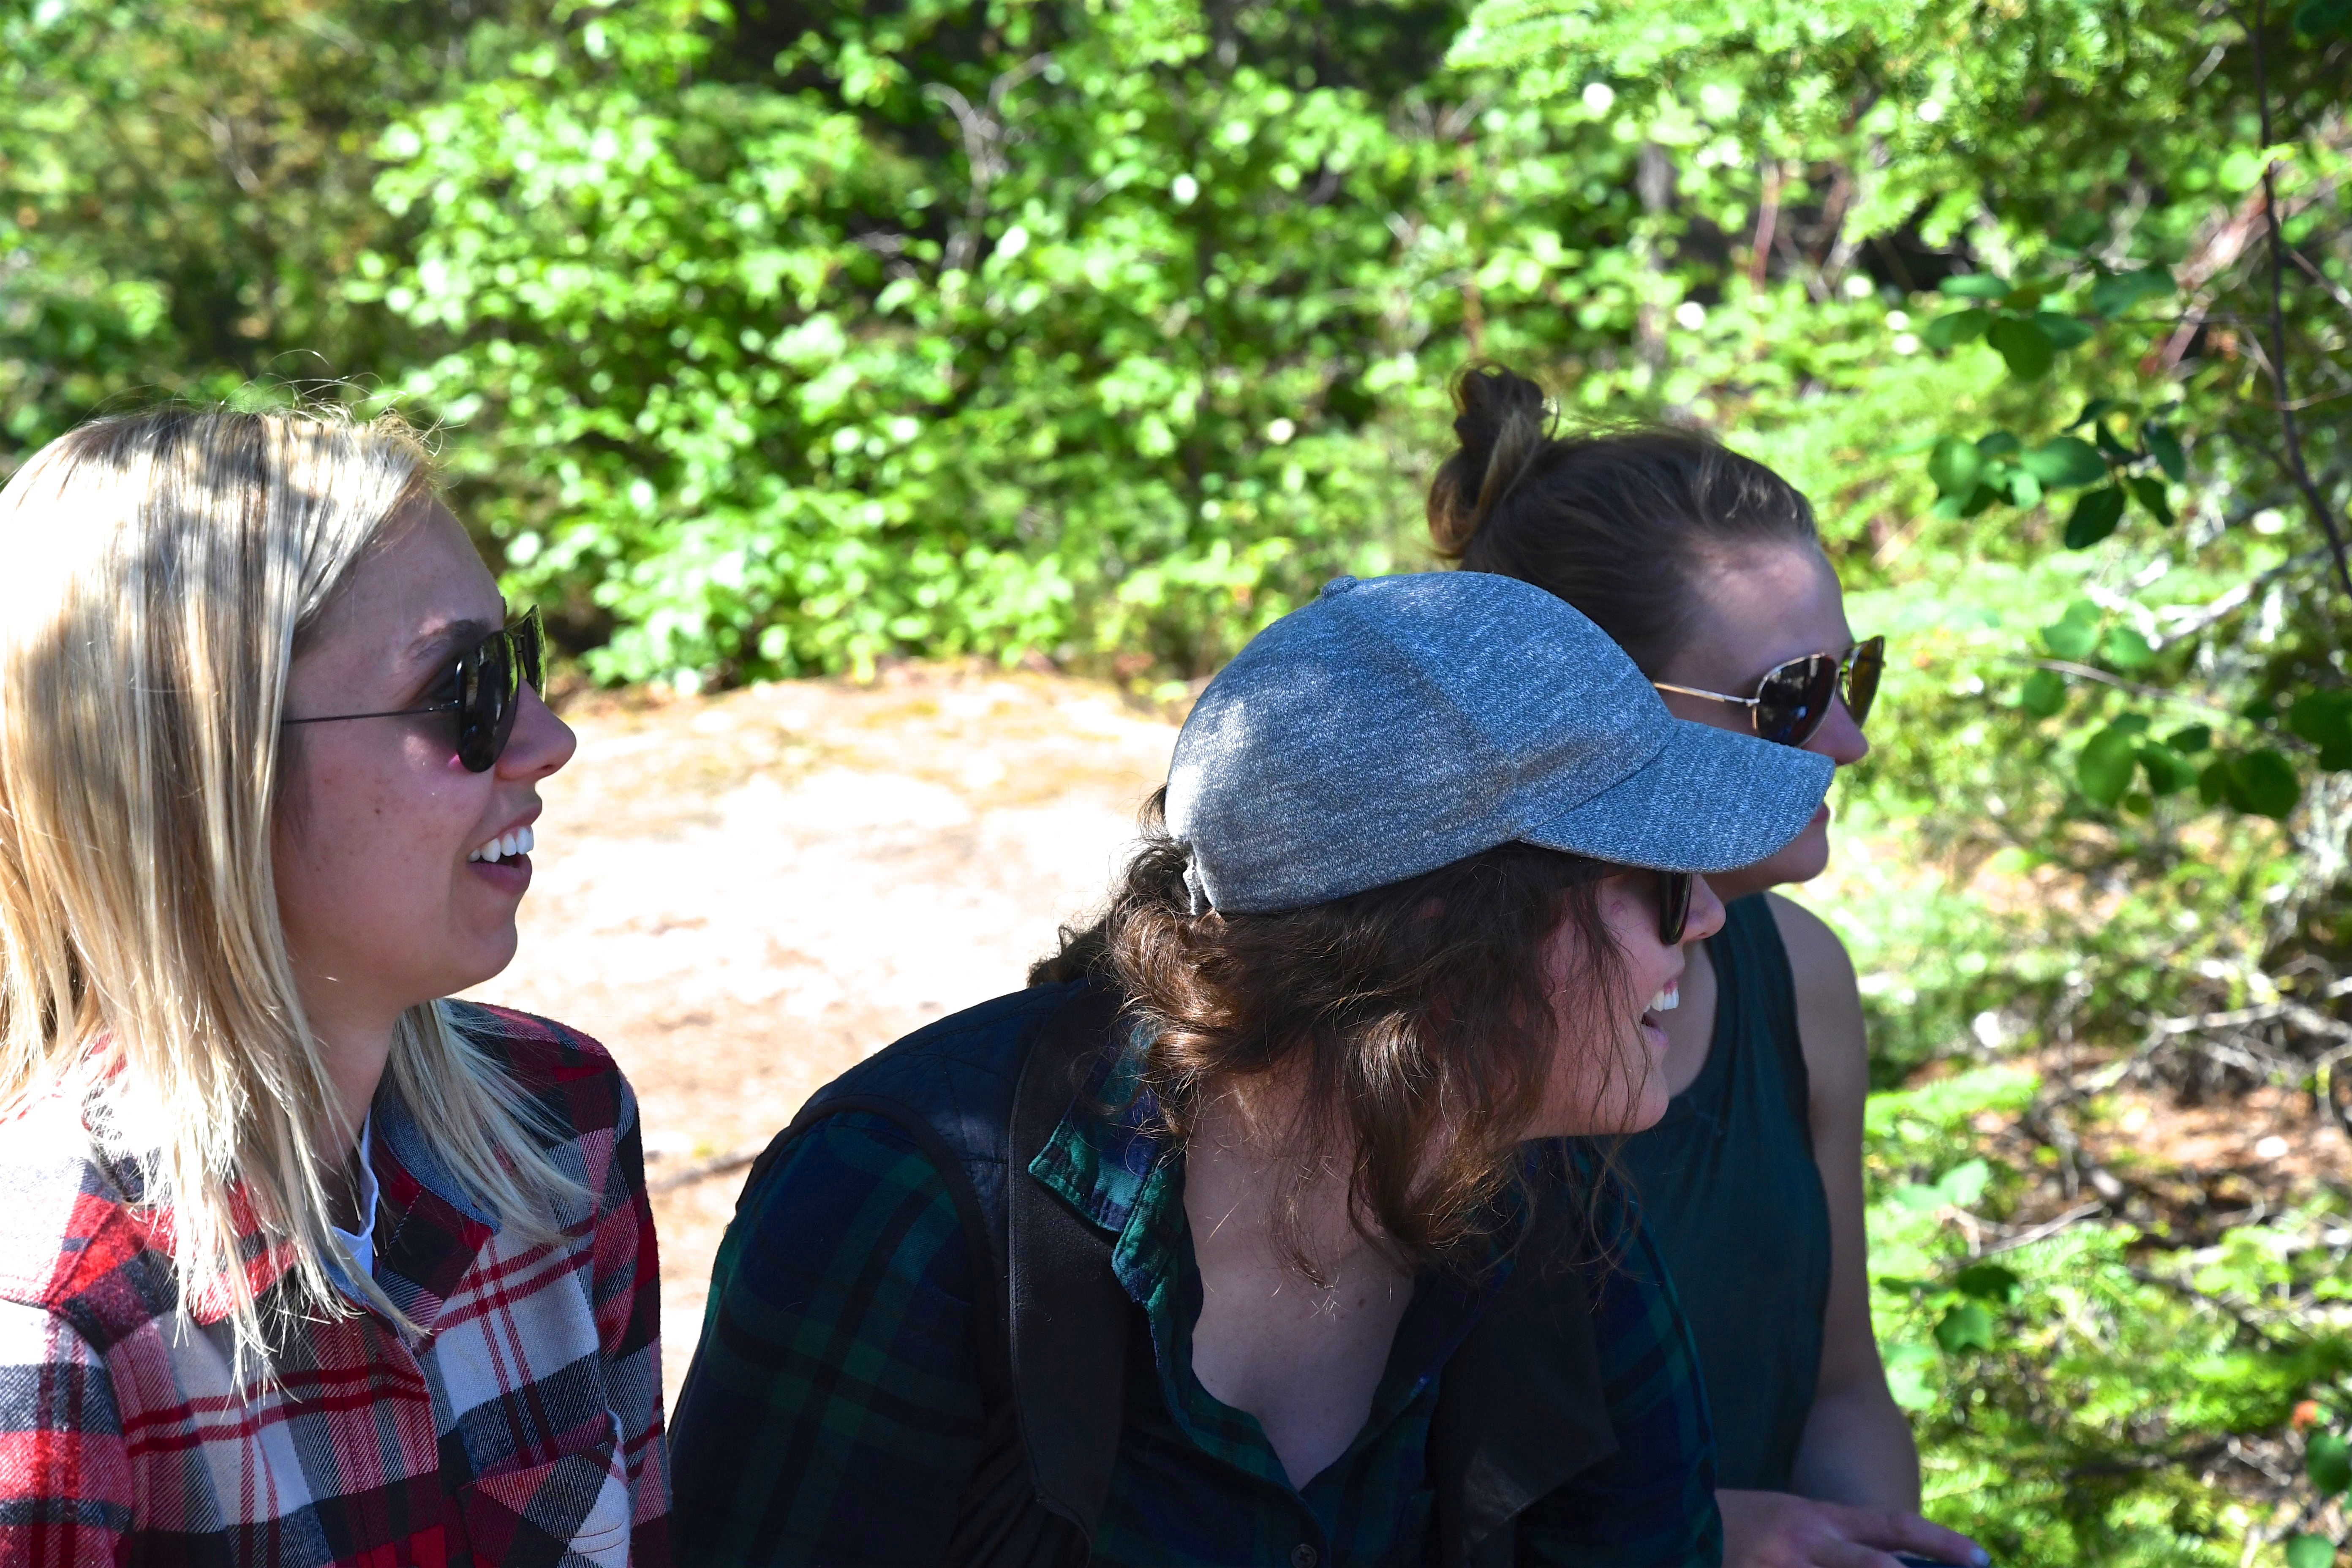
[(300, 1263)]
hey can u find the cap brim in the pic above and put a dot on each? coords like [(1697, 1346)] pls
[(1711, 800)]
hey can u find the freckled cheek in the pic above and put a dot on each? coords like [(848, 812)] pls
[(364, 820)]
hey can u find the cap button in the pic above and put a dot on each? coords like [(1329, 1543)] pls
[(1335, 585)]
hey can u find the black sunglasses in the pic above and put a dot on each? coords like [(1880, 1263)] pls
[(1793, 699), (485, 691), (1673, 906)]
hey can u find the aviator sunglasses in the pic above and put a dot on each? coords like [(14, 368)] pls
[(484, 690), (1793, 698)]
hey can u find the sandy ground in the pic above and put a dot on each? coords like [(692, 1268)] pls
[(743, 896)]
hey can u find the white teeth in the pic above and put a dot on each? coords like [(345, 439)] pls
[(1669, 999), (505, 846)]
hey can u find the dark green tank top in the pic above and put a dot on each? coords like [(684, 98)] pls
[(1729, 1189)]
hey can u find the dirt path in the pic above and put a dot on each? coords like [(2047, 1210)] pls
[(743, 896)]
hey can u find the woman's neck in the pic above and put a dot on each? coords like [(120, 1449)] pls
[(1249, 1176), (1303, 1356), (356, 1044)]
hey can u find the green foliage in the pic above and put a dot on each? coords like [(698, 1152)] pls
[(2068, 1392), (1096, 332), (183, 186), (765, 339)]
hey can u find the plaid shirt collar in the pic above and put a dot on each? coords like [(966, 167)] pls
[(426, 1232)]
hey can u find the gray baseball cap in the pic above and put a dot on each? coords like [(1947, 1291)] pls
[(1399, 724)]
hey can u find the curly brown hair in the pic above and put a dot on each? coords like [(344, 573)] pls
[(1422, 1019)]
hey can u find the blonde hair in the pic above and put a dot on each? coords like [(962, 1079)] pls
[(163, 569)]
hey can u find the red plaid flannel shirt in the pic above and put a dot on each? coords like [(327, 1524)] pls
[(524, 1426)]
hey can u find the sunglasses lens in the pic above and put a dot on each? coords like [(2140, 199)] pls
[(1673, 906), (490, 679), (530, 634), (1868, 662), (1795, 699)]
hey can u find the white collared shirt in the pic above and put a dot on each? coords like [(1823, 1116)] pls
[(363, 1246)]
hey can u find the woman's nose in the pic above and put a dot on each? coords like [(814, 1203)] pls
[(1706, 913), (1839, 738), (540, 744)]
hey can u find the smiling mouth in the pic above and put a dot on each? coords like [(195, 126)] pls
[(1667, 1000), (505, 846)]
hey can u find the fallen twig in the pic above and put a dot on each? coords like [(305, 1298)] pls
[(702, 1170)]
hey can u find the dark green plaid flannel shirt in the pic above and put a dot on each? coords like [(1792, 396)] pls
[(833, 1414)]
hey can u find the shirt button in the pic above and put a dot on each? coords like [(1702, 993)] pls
[(1304, 1556)]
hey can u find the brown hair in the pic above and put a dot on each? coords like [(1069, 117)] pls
[(1611, 520), (1421, 1015)]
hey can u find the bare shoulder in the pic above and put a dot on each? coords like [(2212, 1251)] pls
[(1829, 1000), (1817, 956)]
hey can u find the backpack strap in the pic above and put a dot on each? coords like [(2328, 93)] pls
[(1053, 1342), (1068, 1313), (1522, 1408)]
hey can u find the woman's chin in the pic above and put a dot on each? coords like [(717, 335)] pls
[(1801, 860)]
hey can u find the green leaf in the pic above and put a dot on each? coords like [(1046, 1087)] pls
[(1988, 1282), (2323, 18), (2114, 451), (2105, 767), (1965, 1183), (2023, 489), (2098, 408), (1966, 1327), (2000, 444), (2063, 330), (2191, 740), (1974, 286), (2080, 229), (2165, 448), (2325, 719), (2023, 346), (2151, 491), (2043, 693), (2096, 516), (2073, 634), (2125, 648), (2168, 772), (2262, 783), (2213, 784), (1955, 465), (2327, 1460), (1950, 331), (2310, 1552), (2065, 460), (2112, 296), (2322, 716), (2239, 170)]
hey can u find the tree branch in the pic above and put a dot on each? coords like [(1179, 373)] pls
[(2320, 509)]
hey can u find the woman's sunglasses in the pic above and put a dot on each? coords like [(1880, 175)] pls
[(1793, 699), (1673, 906), (484, 690)]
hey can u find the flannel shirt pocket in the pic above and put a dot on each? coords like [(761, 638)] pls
[(563, 1512)]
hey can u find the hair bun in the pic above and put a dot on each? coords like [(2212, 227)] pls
[(1503, 425)]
